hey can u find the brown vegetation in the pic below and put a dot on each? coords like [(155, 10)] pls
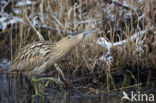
[(134, 62)]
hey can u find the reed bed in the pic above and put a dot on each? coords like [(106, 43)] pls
[(92, 67)]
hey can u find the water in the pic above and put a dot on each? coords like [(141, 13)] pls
[(17, 89)]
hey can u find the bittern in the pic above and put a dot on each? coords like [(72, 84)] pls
[(36, 58)]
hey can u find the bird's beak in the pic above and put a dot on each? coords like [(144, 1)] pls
[(86, 33)]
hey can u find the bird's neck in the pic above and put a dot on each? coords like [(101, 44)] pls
[(64, 47), (61, 49)]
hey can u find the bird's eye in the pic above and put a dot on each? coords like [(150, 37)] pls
[(69, 36)]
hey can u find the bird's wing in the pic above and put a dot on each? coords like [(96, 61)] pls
[(31, 56)]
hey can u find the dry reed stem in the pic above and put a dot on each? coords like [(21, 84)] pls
[(38, 33), (84, 61)]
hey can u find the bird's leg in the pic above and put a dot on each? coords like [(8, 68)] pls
[(36, 81), (48, 80), (35, 86)]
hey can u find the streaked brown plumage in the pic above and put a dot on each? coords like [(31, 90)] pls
[(37, 57)]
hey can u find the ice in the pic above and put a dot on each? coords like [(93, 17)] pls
[(4, 63), (103, 58), (35, 23), (27, 2), (141, 17), (17, 11), (81, 22), (106, 58), (128, 14), (111, 17), (4, 24), (137, 37), (46, 26), (2, 19), (125, 3), (3, 2), (14, 20), (103, 42), (141, 1)]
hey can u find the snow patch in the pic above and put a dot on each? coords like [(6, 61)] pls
[(27, 2)]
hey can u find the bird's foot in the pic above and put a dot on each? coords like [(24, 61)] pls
[(35, 81), (48, 79), (36, 95)]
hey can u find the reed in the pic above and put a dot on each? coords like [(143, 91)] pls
[(133, 62)]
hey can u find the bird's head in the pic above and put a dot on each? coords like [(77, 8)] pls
[(74, 39), (77, 37)]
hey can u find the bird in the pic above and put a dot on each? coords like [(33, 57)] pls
[(35, 58)]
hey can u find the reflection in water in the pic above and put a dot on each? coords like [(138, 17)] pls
[(13, 89), (17, 89)]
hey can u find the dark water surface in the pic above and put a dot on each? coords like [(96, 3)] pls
[(18, 89), (15, 89)]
